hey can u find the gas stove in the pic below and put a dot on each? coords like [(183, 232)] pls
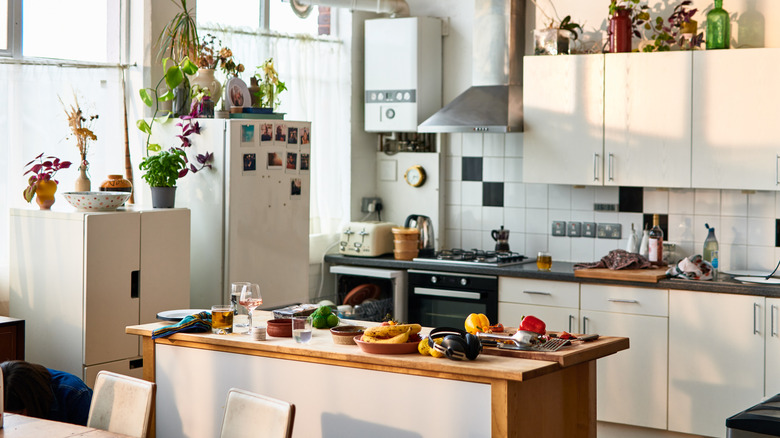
[(475, 257)]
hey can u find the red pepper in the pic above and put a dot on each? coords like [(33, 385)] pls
[(498, 328), (533, 324), (565, 335)]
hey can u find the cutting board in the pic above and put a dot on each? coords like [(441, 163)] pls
[(568, 355), (651, 275)]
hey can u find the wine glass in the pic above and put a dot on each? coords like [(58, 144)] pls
[(250, 298)]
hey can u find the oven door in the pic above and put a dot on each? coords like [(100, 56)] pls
[(443, 299), (390, 282)]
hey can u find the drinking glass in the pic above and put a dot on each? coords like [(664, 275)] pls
[(222, 319), (250, 298), (544, 261), (240, 317), (301, 329)]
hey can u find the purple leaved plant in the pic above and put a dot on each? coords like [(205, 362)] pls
[(42, 171)]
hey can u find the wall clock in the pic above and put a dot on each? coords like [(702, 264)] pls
[(415, 176)]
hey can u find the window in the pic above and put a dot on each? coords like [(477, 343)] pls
[(4, 27), (248, 14)]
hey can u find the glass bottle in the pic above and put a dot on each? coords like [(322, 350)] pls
[(718, 28), (656, 243), (620, 31), (710, 252)]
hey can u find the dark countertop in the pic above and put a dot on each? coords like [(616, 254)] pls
[(561, 271)]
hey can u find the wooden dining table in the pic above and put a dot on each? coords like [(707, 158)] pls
[(15, 425)]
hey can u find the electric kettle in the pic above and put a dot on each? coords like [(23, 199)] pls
[(502, 239), (425, 225)]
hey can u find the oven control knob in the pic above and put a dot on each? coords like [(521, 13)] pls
[(464, 282), (434, 280)]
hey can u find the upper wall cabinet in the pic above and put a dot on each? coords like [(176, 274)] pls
[(647, 119), (735, 116), (563, 111)]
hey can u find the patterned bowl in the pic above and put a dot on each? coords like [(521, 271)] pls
[(96, 201)]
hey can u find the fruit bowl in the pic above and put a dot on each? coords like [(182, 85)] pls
[(96, 201), (345, 334), (379, 348)]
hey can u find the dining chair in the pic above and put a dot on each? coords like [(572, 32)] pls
[(122, 404), (249, 415)]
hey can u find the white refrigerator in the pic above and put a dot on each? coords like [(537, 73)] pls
[(250, 212)]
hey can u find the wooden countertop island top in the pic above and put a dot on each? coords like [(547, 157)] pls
[(566, 383)]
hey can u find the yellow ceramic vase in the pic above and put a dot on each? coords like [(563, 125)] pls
[(44, 194)]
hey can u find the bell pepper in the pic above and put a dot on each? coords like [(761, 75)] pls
[(496, 328), (477, 322), (531, 323)]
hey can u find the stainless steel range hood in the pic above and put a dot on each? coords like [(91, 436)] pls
[(495, 101)]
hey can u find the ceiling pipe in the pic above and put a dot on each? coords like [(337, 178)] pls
[(396, 8)]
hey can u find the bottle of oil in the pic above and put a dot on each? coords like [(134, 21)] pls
[(710, 252), (656, 243)]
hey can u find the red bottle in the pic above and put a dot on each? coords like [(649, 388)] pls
[(620, 32)]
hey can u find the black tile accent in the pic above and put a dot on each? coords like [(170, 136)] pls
[(492, 194), (777, 232), (472, 169), (663, 222), (630, 199)]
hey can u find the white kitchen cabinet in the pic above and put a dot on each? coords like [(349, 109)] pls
[(563, 112), (554, 302), (772, 348), (632, 385), (735, 95), (647, 121), (716, 359), (78, 279)]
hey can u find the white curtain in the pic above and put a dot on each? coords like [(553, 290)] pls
[(317, 75)]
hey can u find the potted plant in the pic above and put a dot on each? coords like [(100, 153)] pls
[(42, 182), (179, 41), (207, 61), (678, 31), (268, 86), (162, 170), (625, 19), (555, 39)]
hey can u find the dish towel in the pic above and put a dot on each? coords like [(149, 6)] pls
[(691, 268), (199, 322), (618, 259)]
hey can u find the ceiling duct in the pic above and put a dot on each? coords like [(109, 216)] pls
[(494, 103), (396, 8)]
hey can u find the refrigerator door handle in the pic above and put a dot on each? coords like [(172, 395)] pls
[(134, 280)]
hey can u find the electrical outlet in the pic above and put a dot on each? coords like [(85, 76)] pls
[(608, 231), (575, 229), (588, 229), (559, 228), (369, 204)]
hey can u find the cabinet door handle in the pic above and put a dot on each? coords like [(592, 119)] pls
[(572, 318), (619, 300), (756, 308), (533, 292), (777, 170), (610, 172), (595, 167), (584, 324), (134, 280), (772, 331)]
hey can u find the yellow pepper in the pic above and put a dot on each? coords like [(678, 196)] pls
[(477, 322)]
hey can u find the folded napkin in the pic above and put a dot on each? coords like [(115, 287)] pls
[(618, 259), (199, 322), (691, 268)]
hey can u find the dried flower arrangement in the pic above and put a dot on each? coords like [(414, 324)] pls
[(80, 127)]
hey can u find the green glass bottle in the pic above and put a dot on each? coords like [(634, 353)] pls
[(718, 28)]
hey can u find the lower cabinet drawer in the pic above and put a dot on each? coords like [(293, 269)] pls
[(619, 299), (128, 367), (538, 292)]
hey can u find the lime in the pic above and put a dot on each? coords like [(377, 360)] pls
[(332, 320), (324, 311), (319, 322)]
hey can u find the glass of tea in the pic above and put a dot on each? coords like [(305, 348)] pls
[(543, 261), (222, 319)]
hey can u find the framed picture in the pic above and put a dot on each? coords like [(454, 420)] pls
[(266, 133), (237, 93), (275, 160)]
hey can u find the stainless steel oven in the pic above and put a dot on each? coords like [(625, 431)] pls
[(445, 299)]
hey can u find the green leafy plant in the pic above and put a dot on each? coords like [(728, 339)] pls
[(41, 171), (565, 24), (267, 95), (179, 38), (637, 12), (670, 32), (164, 168)]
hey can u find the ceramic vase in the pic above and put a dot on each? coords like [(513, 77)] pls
[(115, 183), (205, 79), (83, 184), (620, 32), (44, 194)]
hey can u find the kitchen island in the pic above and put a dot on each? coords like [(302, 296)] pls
[(339, 391)]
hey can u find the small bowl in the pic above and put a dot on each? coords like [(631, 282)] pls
[(280, 328), (345, 334), (96, 201)]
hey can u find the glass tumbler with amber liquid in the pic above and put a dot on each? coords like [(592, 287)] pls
[(543, 261)]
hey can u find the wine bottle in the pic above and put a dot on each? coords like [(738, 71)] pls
[(710, 252), (718, 28), (656, 243)]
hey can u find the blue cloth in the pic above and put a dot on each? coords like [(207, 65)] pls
[(199, 322), (72, 398)]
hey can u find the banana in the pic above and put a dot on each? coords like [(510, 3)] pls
[(389, 331), (398, 339)]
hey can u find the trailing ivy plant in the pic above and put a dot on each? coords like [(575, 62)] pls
[(670, 32), (636, 11)]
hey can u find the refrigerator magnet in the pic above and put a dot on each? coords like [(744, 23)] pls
[(266, 134), (281, 134), (274, 160), (305, 135), (292, 162), (249, 164), (247, 135), (292, 136), (295, 188), (304, 167)]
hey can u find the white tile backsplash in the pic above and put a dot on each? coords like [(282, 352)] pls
[(707, 202), (471, 239), (536, 221), (471, 193), (471, 217), (681, 201), (514, 194), (513, 145), (454, 145), (454, 217), (514, 220), (492, 218), (583, 198), (733, 203), (493, 169), (732, 231), (493, 145), (606, 195), (535, 243), (559, 196), (761, 204), (761, 231), (513, 170), (582, 250), (761, 258), (680, 228), (536, 195), (656, 201), (472, 145), (454, 170), (453, 193), (700, 230), (452, 238)]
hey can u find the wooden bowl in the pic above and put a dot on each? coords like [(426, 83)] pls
[(345, 334), (280, 328)]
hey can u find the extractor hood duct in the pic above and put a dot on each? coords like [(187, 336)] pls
[(494, 103), (396, 8)]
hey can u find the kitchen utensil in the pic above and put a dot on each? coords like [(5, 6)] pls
[(501, 237), (425, 225), (522, 338), (554, 344)]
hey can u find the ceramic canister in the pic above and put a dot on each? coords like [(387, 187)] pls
[(115, 183)]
